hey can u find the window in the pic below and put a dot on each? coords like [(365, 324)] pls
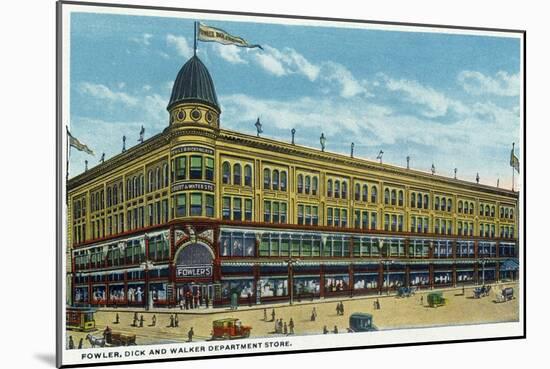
[(426, 201), (365, 194), (314, 215), (344, 189), (195, 168), (329, 216), (150, 180), (267, 179), (493, 211), (487, 211), (267, 211), (315, 186), (337, 189), (419, 201), (344, 218), (237, 209), (283, 212), (181, 167), (357, 192), (237, 174), (196, 204), (393, 197), (460, 206), (443, 204), (247, 175), (386, 222), (283, 180), (386, 196), (158, 181), (466, 207), (400, 198), (226, 208), (226, 173), (300, 214), (181, 210), (165, 178), (394, 223), (165, 210), (275, 179), (209, 205), (209, 169), (373, 220), (413, 199), (248, 209), (471, 208), (357, 219), (275, 212), (151, 214), (437, 203), (307, 186), (449, 205), (481, 209), (329, 188), (365, 220)]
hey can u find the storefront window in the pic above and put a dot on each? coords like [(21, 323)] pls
[(273, 287), (237, 244), (158, 292), (242, 288), (364, 281), (306, 286), (443, 277), (136, 293), (464, 275), (99, 295), (81, 294), (117, 294), (396, 279), (335, 283)]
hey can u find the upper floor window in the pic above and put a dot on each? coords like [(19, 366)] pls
[(150, 180), (337, 189), (307, 186), (267, 179), (329, 188), (283, 180), (365, 195), (237, 174), (393, 197), (400, 198), (460, 206), (413, 199), (426, 201), (195, 167), (493, 211), (158, 181), (209, 168), (181, 164), (386, 196), (374, 194), (275, 179), (357, 192), (226, 172), (314, 186), (419, 201), (247, 175), (344, 189), (165, 175)]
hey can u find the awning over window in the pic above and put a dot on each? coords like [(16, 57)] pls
[(509, 265)]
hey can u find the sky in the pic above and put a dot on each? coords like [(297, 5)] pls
[(448, 99)]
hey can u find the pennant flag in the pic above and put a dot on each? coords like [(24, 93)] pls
[(514, 161), (73, 142), (211, 34)]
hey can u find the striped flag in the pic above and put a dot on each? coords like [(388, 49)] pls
[(73, 142), (211, 34), (514, 161)]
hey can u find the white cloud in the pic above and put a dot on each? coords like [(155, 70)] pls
[(105, 93), (286, 61), (340, 75), (180, 44), (230, 53), (144, 39), (502, 84)]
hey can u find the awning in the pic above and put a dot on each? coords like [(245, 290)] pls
[(509, 265)]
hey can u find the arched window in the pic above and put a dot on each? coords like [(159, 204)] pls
[(443, 204), (511, 213), (487, 211), (337, 189), (471, 208), (400, 198), (357, 192), (115, 194), (344, 189), (413, 199), (386, 196), (426, 201), (374, 194), (505, 213), (437, 203), (466, 207), (248, 175), (460, 205), (300, 183), (283, 180), (275, 179), (237, 174), (109, 194), (165, 178), (141, 185), (307, 185), (449, 205), (314, 186), (481, 209), (128, 189), (365, 196), (329, 188), (158, 182), (493, 211), (419, 201), (150, 180), (267, 179), (135, 187), (393, 197), (226, 172)]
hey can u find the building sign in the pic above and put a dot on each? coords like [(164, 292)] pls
[(193, 186), (199, 149), (201, 271)]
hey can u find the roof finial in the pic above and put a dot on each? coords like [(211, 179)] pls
[(258, 127)]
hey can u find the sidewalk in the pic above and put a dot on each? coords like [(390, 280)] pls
[(286, 304)]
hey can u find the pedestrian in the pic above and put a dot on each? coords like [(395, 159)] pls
[(135, 316), (463, 290), (341, 308), (312, 316), (374, 306), (107, 334), (176, 320), (422, 300), (80, 343), (187, 294), (206, 300), (273, 315), (249, 298), (171, 321), (154, 320), (335, 331), (117, 319), (314, 312), (134, 323), (71, 343), (285, 329), (377, 304), (141, 321), (265, 315), (190, 335), (181, 304), (338, 309), (291, 326), (325, 330)]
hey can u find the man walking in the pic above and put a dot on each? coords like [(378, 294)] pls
[(265, 315), (154, 320), (291, 326), (176, 320), (273, 315), (190, 335), (141, 321)]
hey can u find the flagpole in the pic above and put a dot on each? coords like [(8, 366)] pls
[(195, 40)]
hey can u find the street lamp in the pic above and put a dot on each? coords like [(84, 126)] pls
[(290, 263), (146, 265), (483, 261), (387, 263)]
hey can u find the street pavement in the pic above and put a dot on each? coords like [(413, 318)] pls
[(394, 313)]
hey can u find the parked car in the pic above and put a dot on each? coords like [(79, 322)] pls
[(436, 299), (229, 328), (361, 322)]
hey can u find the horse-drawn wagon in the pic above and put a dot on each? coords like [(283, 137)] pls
[(481, 291), (506, 294)]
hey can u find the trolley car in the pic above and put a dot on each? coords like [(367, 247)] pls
[(81, 319)]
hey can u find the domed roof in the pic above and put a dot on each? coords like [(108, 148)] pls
[(194, 84)]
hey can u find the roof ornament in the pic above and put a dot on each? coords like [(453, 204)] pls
[(379, 157), (123, 143), (477, 178), (102, 160), (85, 165), (433, 169), (498, 182), (408, 162), (455, 172), (293, 132), (323, 141), (352, 147), (258, 127), (141, 134)]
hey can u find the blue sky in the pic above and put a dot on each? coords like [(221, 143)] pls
[(448, 99)]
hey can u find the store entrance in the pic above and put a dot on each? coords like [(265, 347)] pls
[(194, 295)]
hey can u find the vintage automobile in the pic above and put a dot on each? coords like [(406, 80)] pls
[(406, 291), (436, 299), (81, 319), (229, 328), (506, 294), (361, 322), (481, 291)]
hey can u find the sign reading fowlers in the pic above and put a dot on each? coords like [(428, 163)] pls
[(194, 271), (193, 186), (199, 149)]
